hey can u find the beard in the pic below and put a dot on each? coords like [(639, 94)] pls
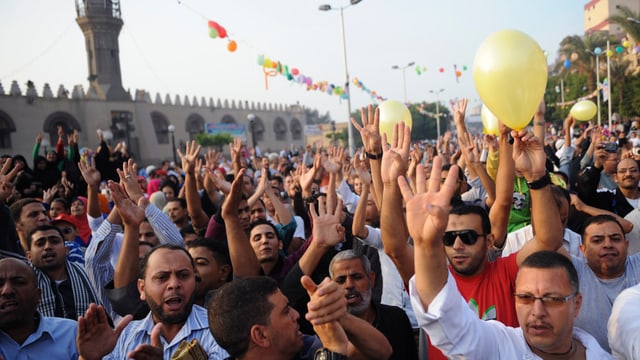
[(178, 318), (358, 309)]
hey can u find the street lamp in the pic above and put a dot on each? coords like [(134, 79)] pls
[(252, 118), (597, 52), (327, 7), (437, 109), (633, 20), (172, 130), (404, 79)]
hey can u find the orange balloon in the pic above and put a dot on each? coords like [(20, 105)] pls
[(232, 46)]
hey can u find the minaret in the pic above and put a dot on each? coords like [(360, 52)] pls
[(101, 24)]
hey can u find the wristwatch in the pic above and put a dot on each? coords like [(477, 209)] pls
[(324, 354)]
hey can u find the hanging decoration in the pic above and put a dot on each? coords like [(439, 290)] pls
[(218, 31)]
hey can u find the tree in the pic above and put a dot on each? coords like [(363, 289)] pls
[(622, 19), (217, 141), (575, 48)]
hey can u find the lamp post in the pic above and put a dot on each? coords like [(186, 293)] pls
[(597, 52), (327, 7), (404, 79), (437, 93), (172, 130), (252, 118)]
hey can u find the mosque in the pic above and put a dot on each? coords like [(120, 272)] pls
[(152, 128)]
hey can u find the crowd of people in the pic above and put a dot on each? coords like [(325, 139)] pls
[(518, 245)]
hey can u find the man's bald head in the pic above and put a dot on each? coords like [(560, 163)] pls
[(19, 296), (18, 266)]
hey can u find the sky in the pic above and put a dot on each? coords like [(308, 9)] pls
[(165, 47)]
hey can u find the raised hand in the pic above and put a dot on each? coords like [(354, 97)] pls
[(370, 130), (129, 180), (395, 159), (333, 162), (6, 178), (95, 337), (427, 211), (39, 138), (232, 202), (212, 159), (235, 149), (149, 351), (191, 152), (90, 174), (326, 307), (459, 110), (327, 229), (361, 169), (306, 179), (528, 155), (130, 213)]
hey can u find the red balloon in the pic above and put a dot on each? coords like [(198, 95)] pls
[(222, 32), (295, 71), (232, 46), (213, 24), (441, 70)]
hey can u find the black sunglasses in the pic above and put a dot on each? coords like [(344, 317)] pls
[(468, 237)]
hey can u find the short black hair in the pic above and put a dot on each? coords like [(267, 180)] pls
[(599, 219), (219, 249), (552, 260), (264, 222), (476, 210), (236, 307), (43, 227), (16, 207), (182, 201), (145, 259)]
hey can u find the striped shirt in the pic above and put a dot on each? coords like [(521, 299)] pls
[(102, 254), (196, 327)]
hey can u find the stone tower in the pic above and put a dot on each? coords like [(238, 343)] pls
[(101, 24)]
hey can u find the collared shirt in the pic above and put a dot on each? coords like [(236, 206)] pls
[(102, 254), (55, 338), (459, 333), (196, 327)]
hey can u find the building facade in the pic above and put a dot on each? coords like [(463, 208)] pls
[(142, 122)]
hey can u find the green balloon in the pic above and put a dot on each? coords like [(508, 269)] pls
[(213, 33)]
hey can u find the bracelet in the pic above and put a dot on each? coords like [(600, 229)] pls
[(373, 156), (543, 181), (540, 123)]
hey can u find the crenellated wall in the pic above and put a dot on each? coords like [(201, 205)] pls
[(26, 112)]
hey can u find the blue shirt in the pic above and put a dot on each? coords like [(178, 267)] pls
[(196, 327), (55, 338)]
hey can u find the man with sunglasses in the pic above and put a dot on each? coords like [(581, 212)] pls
[(546, 292)]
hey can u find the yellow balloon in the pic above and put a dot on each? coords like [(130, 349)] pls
[(584, 110), (510, 74), (489, 121), (391, 112)]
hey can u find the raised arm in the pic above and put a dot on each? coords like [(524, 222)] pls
[(539, 124), (392, 226), (358, 227), (530, 159), (235, 150), (243, 259), (499, 212), (427, 218), (132, 215), (92, 177), (199, 218), (370, 134)]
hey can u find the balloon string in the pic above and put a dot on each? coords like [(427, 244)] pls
[(266, 76)]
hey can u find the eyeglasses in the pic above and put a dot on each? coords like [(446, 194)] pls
[(468, 237), (528, 299)]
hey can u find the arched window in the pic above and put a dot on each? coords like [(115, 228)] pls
[(280, 128), (296, 129), (7, 126), (195, 125), (66, 120), (228, 119), (258, 129), (161, 127)]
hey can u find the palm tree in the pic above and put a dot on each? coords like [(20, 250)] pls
[(628, 20), (576, 48)]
